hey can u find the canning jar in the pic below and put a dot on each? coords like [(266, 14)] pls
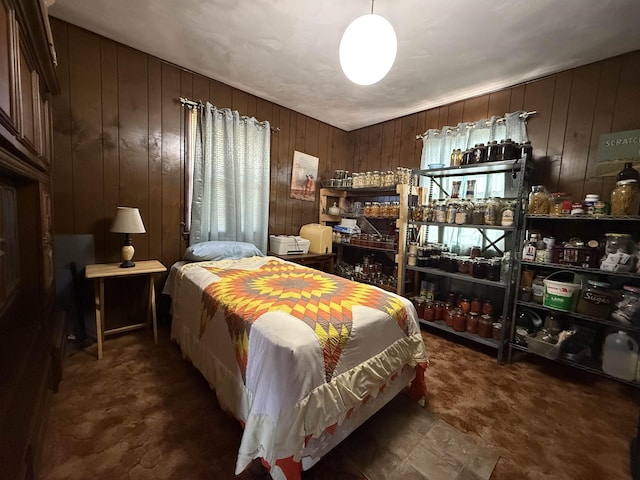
[(560, 204), (625, 198), (465, 305), (493, 211), (493, 151), (462, 213), (508, 213), (509, 151), (419, 302), (493, 269), (485, 326), (429, 313), (476, 251), (596, 300), (537, 289), (452, 210), (627, 309), (476, 306), (458, 320), (472, 322), (479, 268), (487, 307), (441, 212), (440, 309), (539, 200), (477, 213)]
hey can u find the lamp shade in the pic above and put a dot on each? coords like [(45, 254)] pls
[(368, 49), (128, 220)]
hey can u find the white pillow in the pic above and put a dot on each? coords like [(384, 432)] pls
[(220, 250)]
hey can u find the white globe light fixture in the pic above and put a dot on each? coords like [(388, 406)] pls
[(368, 49)]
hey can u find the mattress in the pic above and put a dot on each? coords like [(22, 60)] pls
[(300, 357)]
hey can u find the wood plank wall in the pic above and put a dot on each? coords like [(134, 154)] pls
[(118, 140), (574, 108), (118, 131)]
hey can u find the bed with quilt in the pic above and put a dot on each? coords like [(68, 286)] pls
[(300, 357)]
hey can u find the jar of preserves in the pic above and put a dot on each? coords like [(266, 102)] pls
[(525, 294), (493, 150), (429, 313), (419, 302), (487, 307), (494, 268), (375, 209), (479, 268), (476, 306), (485, 326), (462, 213), (458, 320), (508, 150), (452, 210), (539, 203), (440, 309), (453, 263), (465, 305), (476, 251), (464, 265), (496, 330), (596, 300), (493, 211), (479, 153), (441, 212), (472, 322), (625, 198), (448, 314), (367, 209)]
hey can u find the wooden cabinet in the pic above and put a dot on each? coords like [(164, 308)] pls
[(31, 334)]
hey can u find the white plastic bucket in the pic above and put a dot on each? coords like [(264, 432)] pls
[(560, 295)]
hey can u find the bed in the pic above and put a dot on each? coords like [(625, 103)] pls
[(300, 357)]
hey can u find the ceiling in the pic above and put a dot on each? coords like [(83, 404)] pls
[(286, 51)]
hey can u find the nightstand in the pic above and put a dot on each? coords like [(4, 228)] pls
[(107, 270), (324, 260)]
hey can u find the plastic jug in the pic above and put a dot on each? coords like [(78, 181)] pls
[(620, 356)]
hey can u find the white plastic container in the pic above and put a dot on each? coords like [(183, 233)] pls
[(620, 356)]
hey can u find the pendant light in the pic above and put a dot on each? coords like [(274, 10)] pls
[(368, 49)]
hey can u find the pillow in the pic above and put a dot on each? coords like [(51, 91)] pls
[(220, 250)]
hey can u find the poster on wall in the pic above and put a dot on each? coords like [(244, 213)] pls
[(303, 176), (615, 149)]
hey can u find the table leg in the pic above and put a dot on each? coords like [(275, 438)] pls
[(152, 305), (99, 304)]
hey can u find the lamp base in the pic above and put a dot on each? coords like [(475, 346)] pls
[(127, 264), (126, 254)]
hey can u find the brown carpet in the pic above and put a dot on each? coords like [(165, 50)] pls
[(143, 412)]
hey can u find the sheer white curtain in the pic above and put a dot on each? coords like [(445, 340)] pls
[(230, 178), (437, 147)]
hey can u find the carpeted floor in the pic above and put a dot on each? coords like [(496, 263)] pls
[(143, 412)]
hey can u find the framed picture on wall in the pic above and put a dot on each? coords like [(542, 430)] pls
[(303, 176)]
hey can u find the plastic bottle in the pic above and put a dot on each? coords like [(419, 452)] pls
[(620, 356)]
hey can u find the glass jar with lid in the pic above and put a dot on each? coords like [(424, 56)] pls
[(485, 326), (477, 213), (539, 203), (452, 209), (596, 300), (560, 204), (625, 198), (493, 211), (462, 213), (472, 322), (508, 213), (441, 212)]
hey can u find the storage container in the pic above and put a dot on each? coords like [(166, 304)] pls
[(560, 295), (620, 356), (625, 198)]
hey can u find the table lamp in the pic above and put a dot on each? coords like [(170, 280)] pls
[(127, 221)]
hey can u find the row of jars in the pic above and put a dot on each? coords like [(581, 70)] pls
[(492, 211), (625, 201), (472, 316), (373, 179), (381, 209), (492, 152), (438, 256)]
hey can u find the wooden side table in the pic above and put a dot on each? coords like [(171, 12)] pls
[(310, 259), (106, 270)]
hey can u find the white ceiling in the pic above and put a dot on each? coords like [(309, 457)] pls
[(286, 51)]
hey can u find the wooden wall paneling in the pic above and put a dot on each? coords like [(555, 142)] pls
[(475, 108), (397, 143), (63, 205), (240, 101), (288, 162), (517, 98), (579, 124), (153, 222), (375, 148), (134, 137), (273, 170), (602, 119), (499, 103), (443, 115), (454, 114), (326, 159), (171, 164), (628, 99), (310, 209), (283, 172), (186, 90), (387, 156), (86, 133), (220, 94), (299, 144), (408, 140), (361, 147), (421, 127), (557, 132), (108, 249), (200, 90), (539, 97)]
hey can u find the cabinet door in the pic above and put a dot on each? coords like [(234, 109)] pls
[(29, 98), (9, 255), (45, 130), (7, 66)]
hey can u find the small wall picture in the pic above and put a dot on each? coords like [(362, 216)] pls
[(303, 177)]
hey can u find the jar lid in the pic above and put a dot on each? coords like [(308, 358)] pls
[(630, 288), (618, 235), (596, 283), (628, 181), (591, 196)]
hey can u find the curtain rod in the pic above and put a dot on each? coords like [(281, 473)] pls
[(498, 120), (193, 104)]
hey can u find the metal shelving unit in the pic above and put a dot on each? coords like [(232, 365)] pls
[(598, 225), (503, 289)]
